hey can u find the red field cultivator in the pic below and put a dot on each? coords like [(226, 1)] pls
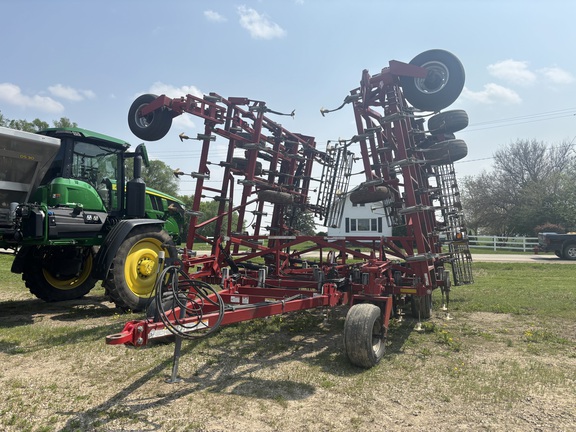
[(262, 264)]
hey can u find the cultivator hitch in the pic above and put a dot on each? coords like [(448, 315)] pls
[(263, 264)]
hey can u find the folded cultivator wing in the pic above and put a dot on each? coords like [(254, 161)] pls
[(264, 266)]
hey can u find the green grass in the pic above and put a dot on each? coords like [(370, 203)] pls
[(540, 290), (6, 276), (509, 327)]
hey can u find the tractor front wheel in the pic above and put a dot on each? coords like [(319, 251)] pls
[(364, 336), (59, 273), (131, 279)]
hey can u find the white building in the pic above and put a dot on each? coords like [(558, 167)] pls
[(358, 220)]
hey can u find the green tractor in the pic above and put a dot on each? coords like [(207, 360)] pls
[(73, 219)]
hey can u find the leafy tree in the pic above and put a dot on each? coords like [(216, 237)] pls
[(159, 176), (34, 125), (528, 186), (24, 125), (300, 221), (209, 210), (64, 122)]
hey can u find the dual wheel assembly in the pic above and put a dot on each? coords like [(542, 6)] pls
[(442, 85)]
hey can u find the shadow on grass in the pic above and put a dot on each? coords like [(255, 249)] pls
[(235, 356), (22, 312), (20, 335)]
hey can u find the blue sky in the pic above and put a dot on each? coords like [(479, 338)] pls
[(87, 60)]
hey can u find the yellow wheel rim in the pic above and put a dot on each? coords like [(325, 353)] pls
[(70, 283), (141, 267)]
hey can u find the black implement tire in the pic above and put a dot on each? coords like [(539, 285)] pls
[(276, 197), (242, 165), (446, 152), (433, 139), (442, 85), (364, 339), (152, 127), (422, 307), (59, 273), (569, 252), (132, 276), (448, 122)]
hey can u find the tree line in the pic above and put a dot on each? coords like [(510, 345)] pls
[(530, 189), (35, 125)]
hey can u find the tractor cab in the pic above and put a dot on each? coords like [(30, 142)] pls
[(88, 169)]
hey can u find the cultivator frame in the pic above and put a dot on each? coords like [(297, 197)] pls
[(409, 176)]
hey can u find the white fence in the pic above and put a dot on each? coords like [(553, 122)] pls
[(517, 244)]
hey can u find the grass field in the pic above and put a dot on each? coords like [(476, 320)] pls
[(505, 362)]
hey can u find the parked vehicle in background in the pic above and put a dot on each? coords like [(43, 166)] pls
[(563, 245)]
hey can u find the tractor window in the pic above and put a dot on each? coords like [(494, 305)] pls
[(157, 203), (94, 164)]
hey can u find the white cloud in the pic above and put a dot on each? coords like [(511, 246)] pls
[(557, 75), (210, 15), (182, 122), (159, 88), (492, 93), (513, 71), (12, 94), (70, 93), (259, 26)]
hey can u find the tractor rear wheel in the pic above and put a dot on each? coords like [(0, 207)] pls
[(132, 276), (442, 85), (153, 126), (59, 273), (364, 337)]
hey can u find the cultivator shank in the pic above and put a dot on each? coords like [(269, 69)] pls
[(262, 263)]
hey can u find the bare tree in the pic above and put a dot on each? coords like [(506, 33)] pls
[(525, 188)]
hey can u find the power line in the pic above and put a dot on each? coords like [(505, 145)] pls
[(474, 160), (511, 121), (548, 113), (490, 124), (492, 157)]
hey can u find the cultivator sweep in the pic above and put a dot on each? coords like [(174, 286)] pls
[(261, 262)]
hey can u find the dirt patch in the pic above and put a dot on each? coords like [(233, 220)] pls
[(477, 372)]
